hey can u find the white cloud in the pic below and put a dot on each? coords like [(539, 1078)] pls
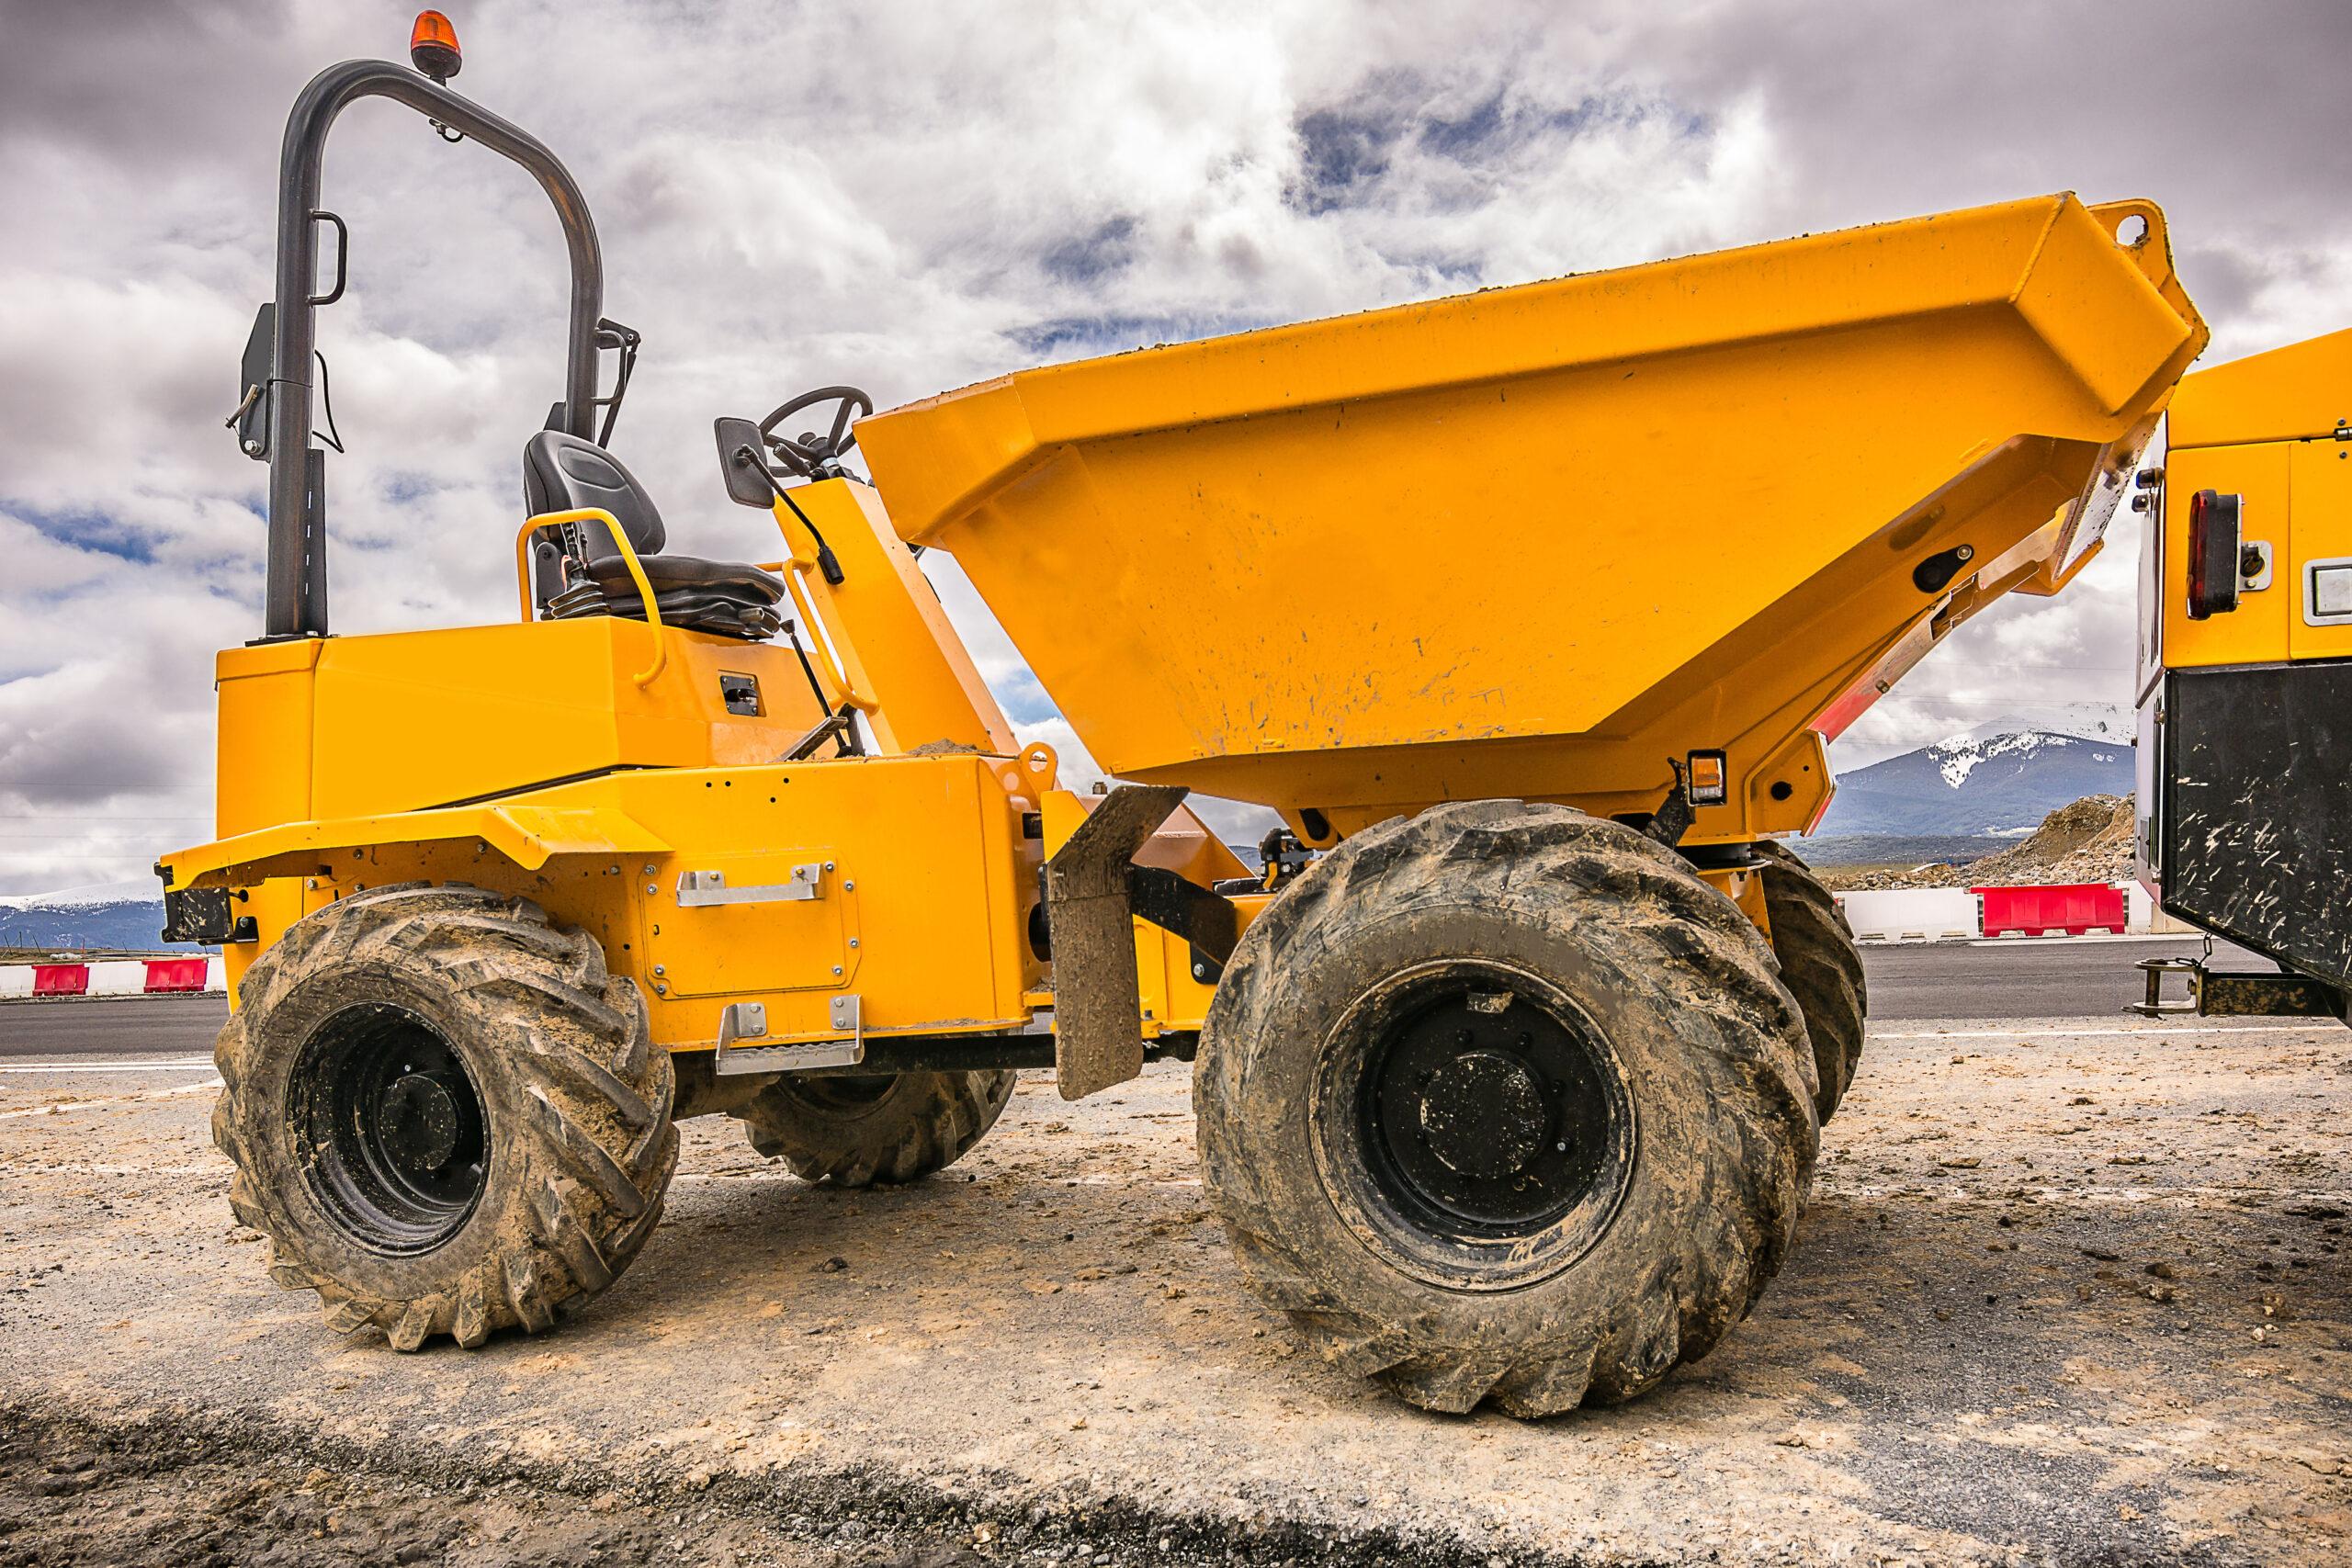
[(912, 196)]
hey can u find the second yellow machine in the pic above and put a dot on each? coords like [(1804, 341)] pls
[(1528, 611)]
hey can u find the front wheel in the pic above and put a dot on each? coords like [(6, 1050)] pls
[(445, 1114), (1504, 1102)]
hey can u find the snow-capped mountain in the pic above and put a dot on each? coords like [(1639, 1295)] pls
[(1985, 781), (123, 917), (1853, 751)]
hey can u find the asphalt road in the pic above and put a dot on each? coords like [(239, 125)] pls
[(2040, 977), (2024, 977), (111, 1026)]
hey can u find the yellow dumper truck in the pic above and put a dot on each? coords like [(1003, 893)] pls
[(2245, 756), (1528, 611)]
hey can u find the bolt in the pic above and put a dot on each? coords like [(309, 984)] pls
[(659, 970), (837, 968), (253, 448), (649, 870), (1562, 1147), (853, 942), (660, 989), (1464, 1037), (829, 865), (651, 889), (849, 887)]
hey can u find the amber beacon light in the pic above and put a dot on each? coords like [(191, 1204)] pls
[(433, 46)]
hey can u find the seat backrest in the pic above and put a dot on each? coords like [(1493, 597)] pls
[(563, 473)]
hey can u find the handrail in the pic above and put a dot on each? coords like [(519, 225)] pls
[(628, 557), (294, 602)]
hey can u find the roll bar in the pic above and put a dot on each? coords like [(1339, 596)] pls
[(295, 604)]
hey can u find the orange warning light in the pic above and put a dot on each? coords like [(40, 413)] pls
[(433, 46)]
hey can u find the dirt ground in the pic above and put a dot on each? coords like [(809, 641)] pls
[(2070, 1291)]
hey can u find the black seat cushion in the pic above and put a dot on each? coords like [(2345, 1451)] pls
[(564, 473), (730, 598)]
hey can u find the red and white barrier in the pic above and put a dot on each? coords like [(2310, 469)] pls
[(2076, 909), (60, 979), (188, 976), (1960, 914), (1913, 914), (171, 975)]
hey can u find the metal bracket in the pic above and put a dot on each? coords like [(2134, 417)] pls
[(2155, 969), (2223, 993), (749, 1021), (741, 1021), (697, 889), (1207, 920)]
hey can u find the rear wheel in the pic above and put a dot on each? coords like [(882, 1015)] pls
[(1503, 1101), (444, 1113), (857, 1130), (1820, 965)]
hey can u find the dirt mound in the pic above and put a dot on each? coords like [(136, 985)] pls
[(2088, 840)]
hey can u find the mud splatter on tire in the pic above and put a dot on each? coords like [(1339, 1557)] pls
[(1707, 1045), (856, 1132), (571, 1113)]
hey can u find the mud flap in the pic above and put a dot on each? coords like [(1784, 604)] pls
[(1098, 1003)]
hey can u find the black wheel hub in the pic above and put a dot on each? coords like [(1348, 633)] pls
[(1482, 1115), (420, 1119), (1472, 1123), (396, 1136)]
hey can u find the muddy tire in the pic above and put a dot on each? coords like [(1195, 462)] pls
[(1502, 1101), (446, 1116), (1821, 967), (856, 1132)]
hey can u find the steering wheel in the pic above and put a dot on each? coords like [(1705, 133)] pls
[(812, 456)]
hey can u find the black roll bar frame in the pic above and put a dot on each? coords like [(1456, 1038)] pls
[(295, 601)]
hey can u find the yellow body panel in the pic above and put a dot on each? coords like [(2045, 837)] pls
[(2292, 393), (1535, 541), (2275, 430), (921, 910), (2321, 530), (587, 763), (2257, 631)]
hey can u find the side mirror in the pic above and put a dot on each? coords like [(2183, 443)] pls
[(2213, 537), (748, 483), (251, 422)]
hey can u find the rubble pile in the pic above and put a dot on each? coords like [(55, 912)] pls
[(2090, 840)]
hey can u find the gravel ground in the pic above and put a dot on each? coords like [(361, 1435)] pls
[(2069, 1291)]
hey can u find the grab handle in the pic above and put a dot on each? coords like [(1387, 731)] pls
[(628, 559)]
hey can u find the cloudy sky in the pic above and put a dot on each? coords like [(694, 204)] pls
[(910, 196)]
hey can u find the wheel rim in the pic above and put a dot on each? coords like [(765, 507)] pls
[(396, 1143), (1472, 1124)]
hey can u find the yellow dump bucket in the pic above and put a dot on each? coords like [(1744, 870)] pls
[(1539, 541)]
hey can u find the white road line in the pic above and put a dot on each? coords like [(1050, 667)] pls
[(1957, 1194), (193, 1064), (69, 1106), (2155, 1032)]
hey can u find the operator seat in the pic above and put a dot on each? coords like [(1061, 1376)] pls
[(578, 570)]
